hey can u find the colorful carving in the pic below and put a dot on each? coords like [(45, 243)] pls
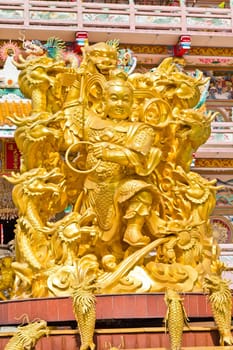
[(126, 60)]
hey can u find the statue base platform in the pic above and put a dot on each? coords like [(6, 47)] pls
[(128, 321)]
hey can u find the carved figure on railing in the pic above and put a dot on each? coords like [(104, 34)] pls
[(122, 148), (220, 298), (84, 308), (175, 319), (27, 336), (109, 346)]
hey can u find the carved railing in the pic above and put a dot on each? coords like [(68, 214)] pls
[(76, 15)]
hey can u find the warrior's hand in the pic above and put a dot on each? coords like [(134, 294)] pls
[(100, 150), (110, 152)]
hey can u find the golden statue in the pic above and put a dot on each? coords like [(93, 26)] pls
[(105, 185), (84, 302), (175, 318), (220, 298), (7, 277), (27, 336)]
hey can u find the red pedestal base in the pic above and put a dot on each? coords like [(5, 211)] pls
[(134, 321)]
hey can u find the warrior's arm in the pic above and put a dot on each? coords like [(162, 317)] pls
[(133, 153), (112, 153)]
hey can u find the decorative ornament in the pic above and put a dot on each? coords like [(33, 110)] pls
[(9, 49)]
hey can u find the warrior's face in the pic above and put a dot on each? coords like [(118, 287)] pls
[(119, 99)]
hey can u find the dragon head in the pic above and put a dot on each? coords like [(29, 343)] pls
[(45, 181), (215, 284), (32, 332)]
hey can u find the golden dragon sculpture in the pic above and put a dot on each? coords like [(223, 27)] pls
[(27, 336), (220, 298), (175, 318), (110, 155), (84, 307)]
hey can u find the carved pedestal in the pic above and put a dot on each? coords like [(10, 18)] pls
[(134, 321)]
